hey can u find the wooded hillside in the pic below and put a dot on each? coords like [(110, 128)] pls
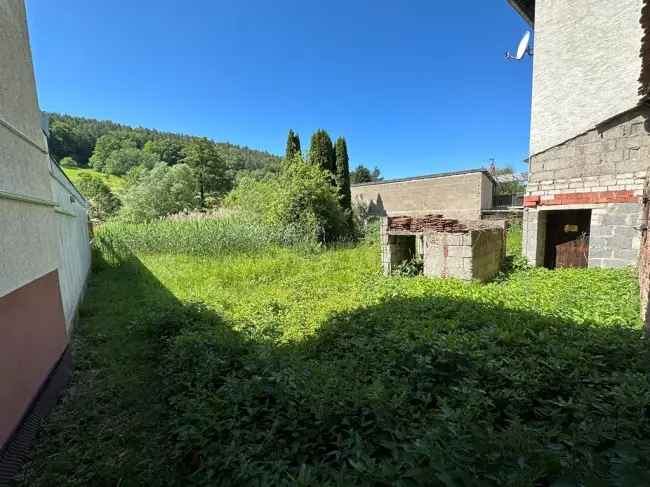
[(76, 137)]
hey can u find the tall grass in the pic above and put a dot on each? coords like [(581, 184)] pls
[(198, 237)]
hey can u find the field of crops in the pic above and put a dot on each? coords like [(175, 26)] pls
[(260, 364)]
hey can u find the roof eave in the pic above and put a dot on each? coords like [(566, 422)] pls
[(528, 16)]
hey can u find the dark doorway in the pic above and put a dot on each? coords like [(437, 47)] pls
[(567, 238)]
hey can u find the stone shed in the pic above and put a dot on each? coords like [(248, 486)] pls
[(470, 250)]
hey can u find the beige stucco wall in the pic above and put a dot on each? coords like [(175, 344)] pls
[(586, 66), (71, 221), (27, 227), (458, 196)]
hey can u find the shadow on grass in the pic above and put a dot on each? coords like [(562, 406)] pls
[(427, 391)]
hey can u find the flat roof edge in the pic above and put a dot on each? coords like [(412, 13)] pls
[(427, 176)]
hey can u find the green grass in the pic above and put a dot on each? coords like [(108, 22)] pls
[(116, 183), (281, 367)]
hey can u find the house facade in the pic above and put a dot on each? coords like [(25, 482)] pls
[(44, 249), (462, 195), (590, 135)]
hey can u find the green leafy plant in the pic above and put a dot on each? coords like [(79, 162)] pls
[(410, 268)]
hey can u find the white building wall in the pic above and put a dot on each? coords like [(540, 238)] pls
[(73, 242), (586, 62), (26, 207)]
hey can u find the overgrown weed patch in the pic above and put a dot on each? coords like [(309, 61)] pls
[(289, 368)]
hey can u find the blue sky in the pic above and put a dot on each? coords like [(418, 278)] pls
[(416, 87)]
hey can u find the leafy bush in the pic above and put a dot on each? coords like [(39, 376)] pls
[(161, 191), (120, 161), (103, 203), (301, 199), (410, 268), (68, 162)]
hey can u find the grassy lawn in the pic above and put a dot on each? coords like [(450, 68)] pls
[(286, 367), (116, 183)]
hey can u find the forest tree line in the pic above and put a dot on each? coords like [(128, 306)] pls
[(168, 172)]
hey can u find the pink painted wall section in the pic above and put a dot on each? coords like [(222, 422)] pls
[(32, 339)]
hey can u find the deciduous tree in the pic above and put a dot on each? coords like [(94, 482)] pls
[(209, 169)]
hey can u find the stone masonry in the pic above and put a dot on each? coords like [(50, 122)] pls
[(604, 170)]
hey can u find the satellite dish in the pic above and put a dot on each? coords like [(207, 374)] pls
[(523, 49)]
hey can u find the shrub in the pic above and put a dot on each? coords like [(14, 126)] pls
[(158, 192), (68, 162), (120, 161), (300, 199), (103, 203)]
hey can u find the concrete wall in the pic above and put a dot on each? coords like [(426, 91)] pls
[(73, 242), (614, 239), (644, 263), (461, 196), (23, 160), (475, 255), (586, 66), (604, 169), (616, 156), (42, 257)]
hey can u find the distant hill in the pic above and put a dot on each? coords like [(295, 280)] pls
[(76, 137)]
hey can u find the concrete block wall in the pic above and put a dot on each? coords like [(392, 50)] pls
[(613, 157), (475, 255), (395, 249), (644, 262), (605, 170), (458, 195), (614, 239), (534, 236), (448, 255)]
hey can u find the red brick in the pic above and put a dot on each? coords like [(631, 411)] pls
[(531, 201), (620, 196)]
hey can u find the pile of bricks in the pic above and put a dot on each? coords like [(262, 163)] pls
[(436, 223), (400, 223)]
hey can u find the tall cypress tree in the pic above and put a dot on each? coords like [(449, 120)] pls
[(343, 174), (293, 145), (321, 152)]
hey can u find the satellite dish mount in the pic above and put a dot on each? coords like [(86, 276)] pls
[(523, 48)]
